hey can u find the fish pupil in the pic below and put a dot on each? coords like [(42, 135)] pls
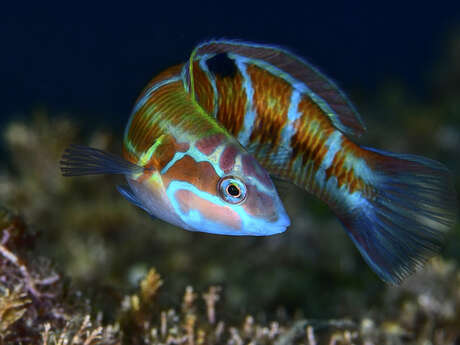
[(233, 190), (221, 65)]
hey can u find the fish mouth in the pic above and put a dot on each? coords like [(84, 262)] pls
[(270, 226), (266, 228), (258, 227)]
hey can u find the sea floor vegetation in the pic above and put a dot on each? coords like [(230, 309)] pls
[(40, 305)]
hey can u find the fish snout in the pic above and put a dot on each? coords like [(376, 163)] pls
[(266, 213)]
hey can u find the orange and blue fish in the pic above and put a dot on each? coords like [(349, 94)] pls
[(185, 168), (204, 136)]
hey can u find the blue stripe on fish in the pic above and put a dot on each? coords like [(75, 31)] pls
[(333, 144), (253, 228), (250, 113), (293, 115), (198, 157), (204, 66), (298, 73)]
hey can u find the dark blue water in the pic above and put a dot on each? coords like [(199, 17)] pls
[(94, 60)]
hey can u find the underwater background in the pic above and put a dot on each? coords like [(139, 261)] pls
[(74, 247)]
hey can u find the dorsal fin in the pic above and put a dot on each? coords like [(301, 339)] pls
[(299, 73)]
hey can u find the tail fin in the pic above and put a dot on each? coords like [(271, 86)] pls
[(404, 221), (82, 160)]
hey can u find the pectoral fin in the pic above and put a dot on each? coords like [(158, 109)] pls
[(80, 160), (129, 195)]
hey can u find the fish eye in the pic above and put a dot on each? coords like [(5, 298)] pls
[(232, 189)]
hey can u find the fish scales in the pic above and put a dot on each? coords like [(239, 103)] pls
[(296, 122), (186, 153), (159, 116), (270, 106), (205, 91), (199, 133), (230, 106), (290, 67)]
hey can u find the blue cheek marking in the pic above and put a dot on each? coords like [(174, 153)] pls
[(211, 79), (250, 225), (177, 157), (194, 217), (197, 157)]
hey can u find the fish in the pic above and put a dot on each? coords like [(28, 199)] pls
[(300, 126), (183, 167), (284, 118)]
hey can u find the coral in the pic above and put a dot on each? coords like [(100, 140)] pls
[(37, 307), (80, 333), (13, 305)]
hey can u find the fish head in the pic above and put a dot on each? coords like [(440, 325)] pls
[(222, 190)]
